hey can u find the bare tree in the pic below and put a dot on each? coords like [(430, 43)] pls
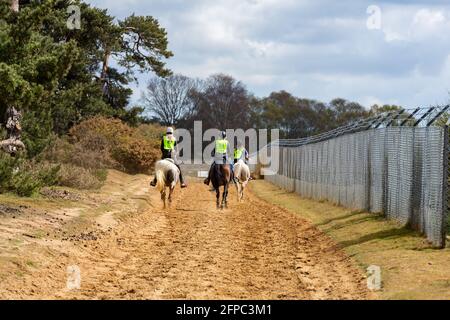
[(169, 99), (223, 103)]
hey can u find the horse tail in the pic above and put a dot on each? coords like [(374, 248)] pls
[(160, 180), (218, 172), (237, 170), (216, 175)]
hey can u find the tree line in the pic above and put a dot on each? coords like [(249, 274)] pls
[(57, 77), (222, 102), (65, 93)]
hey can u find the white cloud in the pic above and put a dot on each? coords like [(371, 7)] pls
[(315, 49), (415, 24)]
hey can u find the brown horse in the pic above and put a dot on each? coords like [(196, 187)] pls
[(221, 176)]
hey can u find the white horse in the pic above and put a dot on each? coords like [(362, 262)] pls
[(242, 174), (167, 175)]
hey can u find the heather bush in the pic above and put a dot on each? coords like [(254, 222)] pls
[(133, 150), (81, 154), (81, 178), (81, 159)]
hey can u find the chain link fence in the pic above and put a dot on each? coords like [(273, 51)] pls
[(398, 171)]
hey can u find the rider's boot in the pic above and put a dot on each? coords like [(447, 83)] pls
[(233, 178), (208, 179), (183, 184)]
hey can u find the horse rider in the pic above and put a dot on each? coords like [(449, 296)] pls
[(168, 149), (220, 153), (240, 153)]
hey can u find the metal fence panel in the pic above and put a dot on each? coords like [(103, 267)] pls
[(397, 171)]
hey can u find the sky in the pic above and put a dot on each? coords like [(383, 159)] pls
[(384, 52)]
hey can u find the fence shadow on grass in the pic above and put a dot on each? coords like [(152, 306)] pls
[(361, 219), (392, 233), (327, 221)]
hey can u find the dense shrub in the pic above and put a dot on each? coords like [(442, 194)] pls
[(81, 178), (25, 177), (92, 153), (136, 155), (80, 160), (151, 132), (109, 128), (133, 150)]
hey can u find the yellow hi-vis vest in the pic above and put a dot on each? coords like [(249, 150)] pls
[(169, 144), (238, 153), (221, 146)]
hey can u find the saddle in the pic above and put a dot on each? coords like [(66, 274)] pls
[(169, 159)]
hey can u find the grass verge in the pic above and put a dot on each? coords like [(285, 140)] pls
[(410, 267)]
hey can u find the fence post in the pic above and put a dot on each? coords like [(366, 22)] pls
[(445, 186)]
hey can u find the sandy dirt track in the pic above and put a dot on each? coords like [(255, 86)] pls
[(252, 250)]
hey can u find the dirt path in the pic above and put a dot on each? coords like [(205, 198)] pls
[(252, 250)]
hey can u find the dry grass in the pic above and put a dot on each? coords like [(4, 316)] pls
[(411, 269), (92, 152), (99, 143), (134, 150), (81, 178)]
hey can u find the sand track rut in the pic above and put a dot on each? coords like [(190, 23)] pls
[(252, 250)]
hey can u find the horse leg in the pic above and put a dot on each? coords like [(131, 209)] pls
[(217, 197), (238, 191), (224, 196), (163, 197), (170, 196)]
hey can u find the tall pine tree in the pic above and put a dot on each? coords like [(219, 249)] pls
[(58, 76)]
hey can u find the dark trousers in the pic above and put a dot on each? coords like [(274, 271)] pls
[(181, 174)]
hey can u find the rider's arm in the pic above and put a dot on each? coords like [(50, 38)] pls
[(162, 145)]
